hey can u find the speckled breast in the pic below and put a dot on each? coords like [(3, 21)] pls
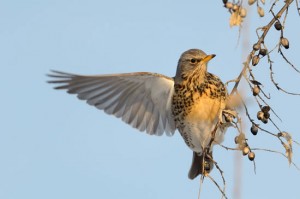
[(196, 109)]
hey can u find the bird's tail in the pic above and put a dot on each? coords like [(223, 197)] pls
[(200, 165)]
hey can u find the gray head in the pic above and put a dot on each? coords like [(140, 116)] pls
[(191, 61)]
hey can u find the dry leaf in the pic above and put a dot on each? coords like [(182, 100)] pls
[(288, 147), (235, 19), (288, 152), (240, 141)]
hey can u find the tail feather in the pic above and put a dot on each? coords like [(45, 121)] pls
[(200, 165)]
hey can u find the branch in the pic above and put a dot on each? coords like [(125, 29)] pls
[(276, 84), (260, 41)]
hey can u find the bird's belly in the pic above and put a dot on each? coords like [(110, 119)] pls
[(200, 122)]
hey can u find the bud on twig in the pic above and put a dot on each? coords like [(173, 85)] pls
[(243, 12), (260, 11), (255, 90), (260, 115), (251, 156), (264, 120), (256, 46), (254, 129), (284, 42), (265, 109), (255, 60), (250, 2), (263, 51), (246, 150), (236, 139), (267, 115), (278, 25)]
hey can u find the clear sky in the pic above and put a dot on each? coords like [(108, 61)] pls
[(54, 146)]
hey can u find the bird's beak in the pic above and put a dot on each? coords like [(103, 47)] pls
[(208, 57)]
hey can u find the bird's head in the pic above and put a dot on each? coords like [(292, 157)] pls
[(192, 61)]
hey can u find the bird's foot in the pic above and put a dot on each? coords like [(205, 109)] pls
[(206, 167), (228, 116), (207, 162)]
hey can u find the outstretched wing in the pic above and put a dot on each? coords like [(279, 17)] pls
[(142, 100)]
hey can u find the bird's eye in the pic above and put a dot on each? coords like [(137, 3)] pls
[(193, 60)]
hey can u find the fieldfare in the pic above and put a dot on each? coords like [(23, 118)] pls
[(192, 102)]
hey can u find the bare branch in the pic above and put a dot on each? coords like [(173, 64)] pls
[(273, 151), (260, 40), (284, 57), (297, 6), (276, 84), (200, 187)]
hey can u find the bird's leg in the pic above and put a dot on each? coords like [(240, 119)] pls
[(207, 163), (213, 134), (207, 154)]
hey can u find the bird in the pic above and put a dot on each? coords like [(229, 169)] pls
[(192, 102)]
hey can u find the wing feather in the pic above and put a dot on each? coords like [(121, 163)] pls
[(142, 100)]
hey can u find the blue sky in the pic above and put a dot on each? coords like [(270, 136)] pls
[(54, 146)]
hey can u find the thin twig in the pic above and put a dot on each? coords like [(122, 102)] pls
[(261, 39), (266, 131), (273, 151), (292, 65), (228, 148), (276, 84), (297, 6), (285, 16), (274, 124), (254, 166), (223, 194), (200, 187), (221, 173)]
